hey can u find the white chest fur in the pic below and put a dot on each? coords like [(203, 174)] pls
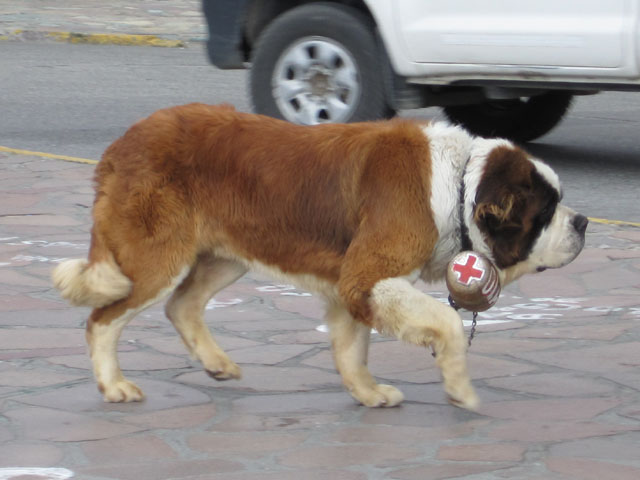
[(450, 147)]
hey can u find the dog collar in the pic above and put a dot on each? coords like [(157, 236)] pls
[(465, 240)]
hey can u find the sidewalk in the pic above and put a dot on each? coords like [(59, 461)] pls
[(556, 362), (559, 378), (173, 21)]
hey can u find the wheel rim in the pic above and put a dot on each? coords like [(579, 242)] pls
[(316, 80)]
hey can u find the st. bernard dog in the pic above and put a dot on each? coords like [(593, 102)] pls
[(192, 197)]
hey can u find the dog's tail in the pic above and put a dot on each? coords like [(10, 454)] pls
[(91, 283)]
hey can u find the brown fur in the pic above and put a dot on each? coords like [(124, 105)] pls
[(507, 202), (192, 197), (307, 200)]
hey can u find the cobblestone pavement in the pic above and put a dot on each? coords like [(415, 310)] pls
[(555, 363), (171, 19)]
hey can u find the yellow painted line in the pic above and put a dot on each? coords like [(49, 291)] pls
[(614, 222), (115, 39), (102, 38), (66, 158)]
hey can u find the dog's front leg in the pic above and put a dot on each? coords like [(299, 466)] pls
[(402, 311), (350, 347)]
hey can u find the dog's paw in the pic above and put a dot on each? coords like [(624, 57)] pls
[(378, 396), (463, 396), (121, 391), (226, 370), (392, 395)]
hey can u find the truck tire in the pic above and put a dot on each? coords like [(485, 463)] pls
[(319, 63), (520, 120)]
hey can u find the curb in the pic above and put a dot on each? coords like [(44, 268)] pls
[(17, 151), (66, 158), (606, 221), (123, 39)]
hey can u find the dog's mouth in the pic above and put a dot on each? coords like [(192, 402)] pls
[(541, 269)]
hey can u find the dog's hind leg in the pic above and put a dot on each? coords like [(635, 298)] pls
[(186, 306), (105, 326), (350, 347)]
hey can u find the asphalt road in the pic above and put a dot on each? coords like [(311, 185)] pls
[(76, 99)]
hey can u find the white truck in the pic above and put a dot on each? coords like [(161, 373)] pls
[(506, 68)]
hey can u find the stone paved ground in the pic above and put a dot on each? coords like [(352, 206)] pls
[(559, 377), (555, 362)]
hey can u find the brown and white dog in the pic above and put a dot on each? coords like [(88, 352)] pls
[(191, 198)]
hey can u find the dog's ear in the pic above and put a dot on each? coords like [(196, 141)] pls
[(498, 214), (501, 222)]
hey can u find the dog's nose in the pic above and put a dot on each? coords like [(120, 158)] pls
[(580, 223)]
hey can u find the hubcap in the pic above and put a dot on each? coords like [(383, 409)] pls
[(315, 81)]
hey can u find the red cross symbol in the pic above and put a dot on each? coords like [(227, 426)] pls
[(468, 271)]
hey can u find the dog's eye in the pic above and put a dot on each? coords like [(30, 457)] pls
[(547, 212)]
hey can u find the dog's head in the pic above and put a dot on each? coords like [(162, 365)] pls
[(517, 212)]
